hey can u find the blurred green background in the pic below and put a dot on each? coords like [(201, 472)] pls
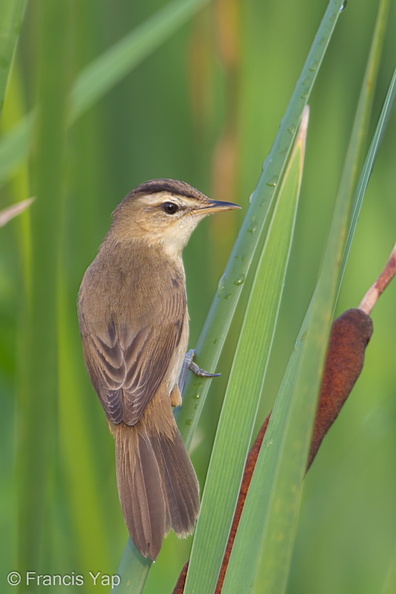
[(205, 107)]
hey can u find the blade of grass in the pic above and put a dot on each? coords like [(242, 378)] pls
[(133, 571), (37, 412), (369, 163), (102, 75), (363, 114), (261, 554), (262, 551), (12, 12), (245, 384)]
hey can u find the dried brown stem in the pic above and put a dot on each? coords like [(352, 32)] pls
[(374, 292), (12, 211)]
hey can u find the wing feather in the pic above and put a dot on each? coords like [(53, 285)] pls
[(127, 365)]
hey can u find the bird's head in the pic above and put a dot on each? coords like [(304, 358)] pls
[(163, 213)]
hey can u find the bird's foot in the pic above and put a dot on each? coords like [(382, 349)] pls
[(189, 364)]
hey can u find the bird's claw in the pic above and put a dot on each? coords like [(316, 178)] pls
[(189, 364)]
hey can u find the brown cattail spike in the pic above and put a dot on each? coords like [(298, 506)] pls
[(349, 337)]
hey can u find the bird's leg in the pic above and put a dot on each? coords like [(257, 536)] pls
[(189, 364)]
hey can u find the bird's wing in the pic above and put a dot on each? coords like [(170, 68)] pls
[(127, 365)]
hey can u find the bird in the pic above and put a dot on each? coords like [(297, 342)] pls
[(134, 325)]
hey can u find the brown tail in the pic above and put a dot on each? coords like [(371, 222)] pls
[(157, 484)]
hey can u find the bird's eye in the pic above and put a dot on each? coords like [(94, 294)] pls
[(170, 208)]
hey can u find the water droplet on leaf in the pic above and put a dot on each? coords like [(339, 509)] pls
[(240, 280), (273, 182)]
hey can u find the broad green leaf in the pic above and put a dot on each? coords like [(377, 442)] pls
[(245, 384)]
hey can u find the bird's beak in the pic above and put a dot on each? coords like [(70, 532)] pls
[(216, 206)]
